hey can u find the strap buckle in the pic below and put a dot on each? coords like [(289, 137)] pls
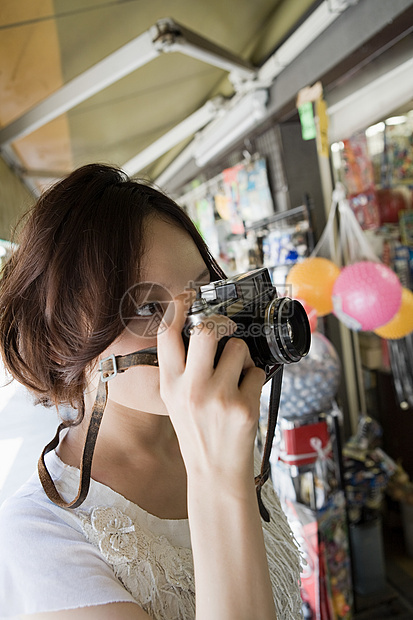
[(111, 372)]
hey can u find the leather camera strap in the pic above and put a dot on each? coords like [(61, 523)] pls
[(108, 368), (264, 474)]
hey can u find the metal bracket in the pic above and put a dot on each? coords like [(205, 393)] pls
[(112, 372), (169, 36)]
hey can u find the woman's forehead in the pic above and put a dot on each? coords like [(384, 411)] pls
[(171, 255)]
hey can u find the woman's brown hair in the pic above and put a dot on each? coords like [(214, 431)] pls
[(78, 252)]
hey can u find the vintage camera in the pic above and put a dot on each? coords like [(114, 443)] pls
[(276, 329)]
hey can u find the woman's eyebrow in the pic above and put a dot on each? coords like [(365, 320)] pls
[(199, 277)]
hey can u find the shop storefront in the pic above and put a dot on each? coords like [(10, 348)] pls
[(329, 214)]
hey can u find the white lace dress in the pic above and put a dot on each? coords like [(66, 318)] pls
[(150, 558)]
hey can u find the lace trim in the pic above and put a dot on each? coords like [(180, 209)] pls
[(284, 558), (157, 574), (160, 575)]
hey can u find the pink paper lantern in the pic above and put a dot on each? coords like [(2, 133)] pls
[(366, 295)]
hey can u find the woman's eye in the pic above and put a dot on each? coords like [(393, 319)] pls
[(149, 309)]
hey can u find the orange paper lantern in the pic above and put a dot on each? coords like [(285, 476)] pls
[(313, 281), (402, 322)]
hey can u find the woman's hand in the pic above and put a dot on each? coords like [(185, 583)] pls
[(215, 416)]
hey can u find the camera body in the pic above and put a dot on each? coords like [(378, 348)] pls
[(276, 329)]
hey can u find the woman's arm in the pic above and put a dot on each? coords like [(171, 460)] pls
[(216, 420), (231, 571)]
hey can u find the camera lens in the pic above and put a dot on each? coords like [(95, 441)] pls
[(288, 330)]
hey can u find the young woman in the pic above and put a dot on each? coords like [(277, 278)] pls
[(167, 507)]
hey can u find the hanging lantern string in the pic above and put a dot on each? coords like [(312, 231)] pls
[(328, 234), (354, 245), (351, 244)]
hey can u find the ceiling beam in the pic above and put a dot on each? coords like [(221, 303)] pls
[(188, 127), (164, 37), (372, 102), (326, 57), (169, 36)]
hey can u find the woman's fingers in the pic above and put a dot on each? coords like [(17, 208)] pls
[(203, 344), (234, 358), (196, 365), (235, 362), (251, 384), (202, 341), (171, 349)]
